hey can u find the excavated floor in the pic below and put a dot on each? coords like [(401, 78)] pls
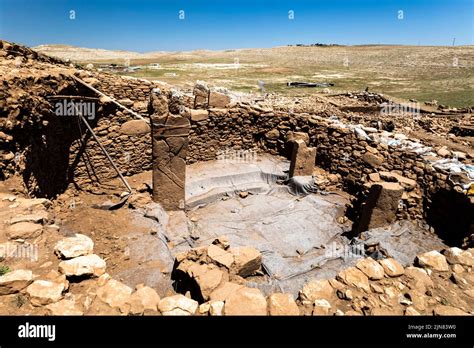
[(299, 237)]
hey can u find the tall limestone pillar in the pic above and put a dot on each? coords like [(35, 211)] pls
[(302, 159), (170, 144)]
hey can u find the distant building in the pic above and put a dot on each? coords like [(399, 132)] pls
[(131, 69), (154, 66)]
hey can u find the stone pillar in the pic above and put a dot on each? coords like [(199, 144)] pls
[(291, 138), (201, 95), (170, 144), (302, 159), (380, 208)]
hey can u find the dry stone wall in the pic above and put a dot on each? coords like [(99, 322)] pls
[(47, 150)]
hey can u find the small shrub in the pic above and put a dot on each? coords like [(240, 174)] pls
[(4, 270)]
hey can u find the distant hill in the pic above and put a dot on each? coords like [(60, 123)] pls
[(84, 54)]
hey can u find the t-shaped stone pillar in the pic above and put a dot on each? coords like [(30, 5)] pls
[(302, 159), (170, 144)]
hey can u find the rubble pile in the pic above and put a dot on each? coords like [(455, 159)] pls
[(212, 281)]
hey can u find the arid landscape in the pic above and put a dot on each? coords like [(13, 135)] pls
[(156, 194), (423, 73), (192, 173)]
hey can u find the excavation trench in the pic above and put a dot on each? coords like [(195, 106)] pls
[(299, 236)]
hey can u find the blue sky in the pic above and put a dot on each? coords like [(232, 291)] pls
[(152, 25)]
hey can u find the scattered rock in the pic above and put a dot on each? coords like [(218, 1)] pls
[(66, 306), (272, 134), (243, 194), (248, 260), (433, 260), (43, 292), (246, 301), (89, 265), (178, 305), (459, 256), (371, 268), (216, 308), (372, 160), (282, 304), (207, 278), (24, 230), (316, 289), (419, 279), (385, 311), (321, 307), (469, 292), (204, 308), (448, 310), (406, 183), (223, 292), (443, 152), (457, 268), (145, 298), (392, 267), (70, 247), (220, 256), (411, 311), (294, 136), (15, 281), (114, 293), (38, 218), (353, 277)]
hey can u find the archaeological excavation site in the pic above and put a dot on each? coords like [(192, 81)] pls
[(128, 196)]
